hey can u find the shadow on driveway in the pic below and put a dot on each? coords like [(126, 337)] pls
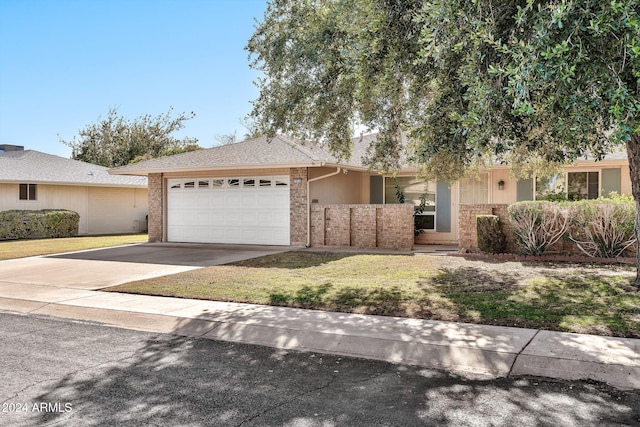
[(193, 255)]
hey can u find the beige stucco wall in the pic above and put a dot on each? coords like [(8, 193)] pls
[(48, 197), (117, 210), (101, 209), (337, 189), (625, 180), (510, 192)]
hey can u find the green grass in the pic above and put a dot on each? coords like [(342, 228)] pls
[(564, 297), (25, 248)]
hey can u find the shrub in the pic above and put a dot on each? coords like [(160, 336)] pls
[(538, 225), (46, 223), (604, 227), (491, 239)]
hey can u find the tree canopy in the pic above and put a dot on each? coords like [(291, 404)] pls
[(117, 141), (469, 82)]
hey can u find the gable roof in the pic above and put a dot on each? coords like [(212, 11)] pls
[(35, 167), (249, 154)]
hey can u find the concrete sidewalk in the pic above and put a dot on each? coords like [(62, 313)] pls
[(475, 350)]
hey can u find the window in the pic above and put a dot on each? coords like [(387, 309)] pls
[(233, 182), (265, 182), (217, 183), (190, 184), (414, 189), (583, 185), (203, 184), (475, 191), (28, 192), (248, 182), (548, 187)]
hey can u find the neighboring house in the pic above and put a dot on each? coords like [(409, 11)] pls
[(31, 180), (284, 192)]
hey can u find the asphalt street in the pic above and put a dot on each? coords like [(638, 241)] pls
[(61, 372)]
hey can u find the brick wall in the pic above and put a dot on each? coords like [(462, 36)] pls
[(298, 207), (362, 226), (155, 207)]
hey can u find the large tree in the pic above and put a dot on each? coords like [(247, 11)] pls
[(117, 141), (535, 84)]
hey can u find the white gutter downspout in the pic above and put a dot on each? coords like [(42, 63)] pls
[(338, 169)]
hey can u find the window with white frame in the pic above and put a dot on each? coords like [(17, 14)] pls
[(239, 183), (414, 189), (28, 192)]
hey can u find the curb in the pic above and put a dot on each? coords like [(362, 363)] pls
[(475, 351)]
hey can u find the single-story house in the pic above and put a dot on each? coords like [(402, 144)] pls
[(107, 204), (284, 192)]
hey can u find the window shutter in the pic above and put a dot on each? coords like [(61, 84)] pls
[(525, 189), (376, 189), (610, 181), (443, 207)]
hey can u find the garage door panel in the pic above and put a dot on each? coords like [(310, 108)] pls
[(236, 214), (272, 200), (267, 220)]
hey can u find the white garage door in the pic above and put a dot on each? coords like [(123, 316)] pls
[(249, 210)]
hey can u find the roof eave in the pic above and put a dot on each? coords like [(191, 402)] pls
[(73, 184), (146, 172)]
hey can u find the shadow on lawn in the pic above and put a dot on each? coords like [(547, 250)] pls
[(379, 300), (587, 303)]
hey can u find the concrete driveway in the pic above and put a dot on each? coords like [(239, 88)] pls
[(99, 268)]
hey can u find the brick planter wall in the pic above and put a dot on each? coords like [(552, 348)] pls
[(155, 207), (362, 226), (468, 232), (298, 207), (469, 238)]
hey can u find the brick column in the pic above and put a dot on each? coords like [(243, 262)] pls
[(298, 206), (156, 202)]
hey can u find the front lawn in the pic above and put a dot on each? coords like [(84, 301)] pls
[(24, 248), (595, 299)]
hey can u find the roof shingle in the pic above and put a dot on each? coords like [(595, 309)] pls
[(35, 167), (257, 152), (262, 153)]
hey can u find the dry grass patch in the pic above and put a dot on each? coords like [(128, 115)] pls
[(25, 248), (577, 298)]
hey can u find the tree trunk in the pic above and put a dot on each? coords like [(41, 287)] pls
[(633, 152)]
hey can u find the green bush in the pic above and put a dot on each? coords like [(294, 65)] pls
[(41, 224), (491, 239)]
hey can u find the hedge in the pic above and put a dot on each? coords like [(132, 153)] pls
[(602, 227), (491, 239), (43, 224)]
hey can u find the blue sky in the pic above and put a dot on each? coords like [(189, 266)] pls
[(64, 63)]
